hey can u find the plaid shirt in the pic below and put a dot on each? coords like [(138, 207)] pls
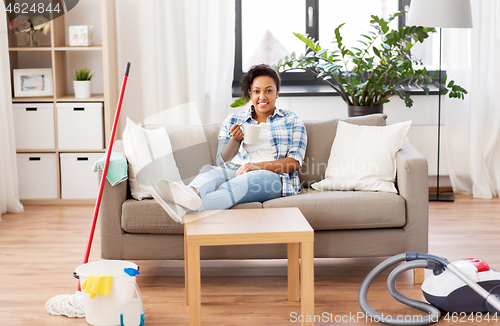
[(288, 139)]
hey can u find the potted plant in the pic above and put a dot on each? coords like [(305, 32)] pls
[(82, 83), (366, 77)]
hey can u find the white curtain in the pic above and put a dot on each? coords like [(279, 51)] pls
[(182, 55), (9, 193), (472, 133)]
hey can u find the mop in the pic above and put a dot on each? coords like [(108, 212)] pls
[(72, 305)]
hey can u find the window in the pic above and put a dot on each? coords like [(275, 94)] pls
[(266, 37), (357, 22), (264, 33), (264, 30)]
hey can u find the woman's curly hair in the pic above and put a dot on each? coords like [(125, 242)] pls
[(256, 71)]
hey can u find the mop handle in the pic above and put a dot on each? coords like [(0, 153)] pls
[(106, 164)]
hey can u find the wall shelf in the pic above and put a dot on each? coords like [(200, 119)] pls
[(71, 98), (79, 48), (56, 54), (28, 49), (43, 99)]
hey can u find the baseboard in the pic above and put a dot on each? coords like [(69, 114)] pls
[(57, 201)]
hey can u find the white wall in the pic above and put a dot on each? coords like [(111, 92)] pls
[(129, 51)]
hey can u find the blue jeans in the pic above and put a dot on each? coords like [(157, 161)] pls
[(220, 188)]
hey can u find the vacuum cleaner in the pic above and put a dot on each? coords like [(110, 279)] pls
[(464, 286)]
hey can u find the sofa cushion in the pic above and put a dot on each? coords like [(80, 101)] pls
[(320, 135), (346, 210), (190, 148), (212, 135), (147, 216), (364, 158), (150, 158)]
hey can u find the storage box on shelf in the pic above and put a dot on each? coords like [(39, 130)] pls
[(79, 126), (37, 175), (49, 130), (78, 181), (34, 126)]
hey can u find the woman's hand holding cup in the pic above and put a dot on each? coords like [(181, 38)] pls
[(236, 132)]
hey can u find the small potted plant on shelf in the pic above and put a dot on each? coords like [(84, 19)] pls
[(82, 83), (366, 77)]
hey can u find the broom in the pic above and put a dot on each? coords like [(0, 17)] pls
[(72, 305)]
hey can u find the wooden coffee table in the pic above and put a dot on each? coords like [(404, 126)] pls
[(251, 226)]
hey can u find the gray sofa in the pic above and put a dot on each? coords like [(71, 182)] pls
[(346, 223)]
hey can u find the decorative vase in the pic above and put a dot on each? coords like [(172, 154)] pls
[(82, 88), (31, 39), (359, 110)]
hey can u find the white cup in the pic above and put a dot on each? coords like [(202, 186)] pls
[(251, 133)]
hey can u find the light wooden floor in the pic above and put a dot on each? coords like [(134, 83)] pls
[(41, 248)]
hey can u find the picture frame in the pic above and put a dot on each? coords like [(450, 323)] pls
[(33, 82)]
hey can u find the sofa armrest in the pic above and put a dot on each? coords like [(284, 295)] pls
[(110, 214), (411, 180)]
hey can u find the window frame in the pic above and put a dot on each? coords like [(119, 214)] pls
[(296, 78), (297, 83)]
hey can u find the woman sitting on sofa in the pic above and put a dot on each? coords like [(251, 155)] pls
[(248, 173)]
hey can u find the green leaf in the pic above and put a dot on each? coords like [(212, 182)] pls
[(362, 42), (366, 36), (307, 40), (322, 53), (83, 74), (357, 49), (436, 74), (443, 81), (239, 102), (338, 37), (405, 97), (443, 90)]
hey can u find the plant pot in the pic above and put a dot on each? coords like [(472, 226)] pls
[(359, 110), (82, 88)]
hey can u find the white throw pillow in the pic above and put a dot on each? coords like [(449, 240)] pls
[(150, 158), (363, 158)]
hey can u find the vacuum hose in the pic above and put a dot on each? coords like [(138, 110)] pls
[(413, 260)]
